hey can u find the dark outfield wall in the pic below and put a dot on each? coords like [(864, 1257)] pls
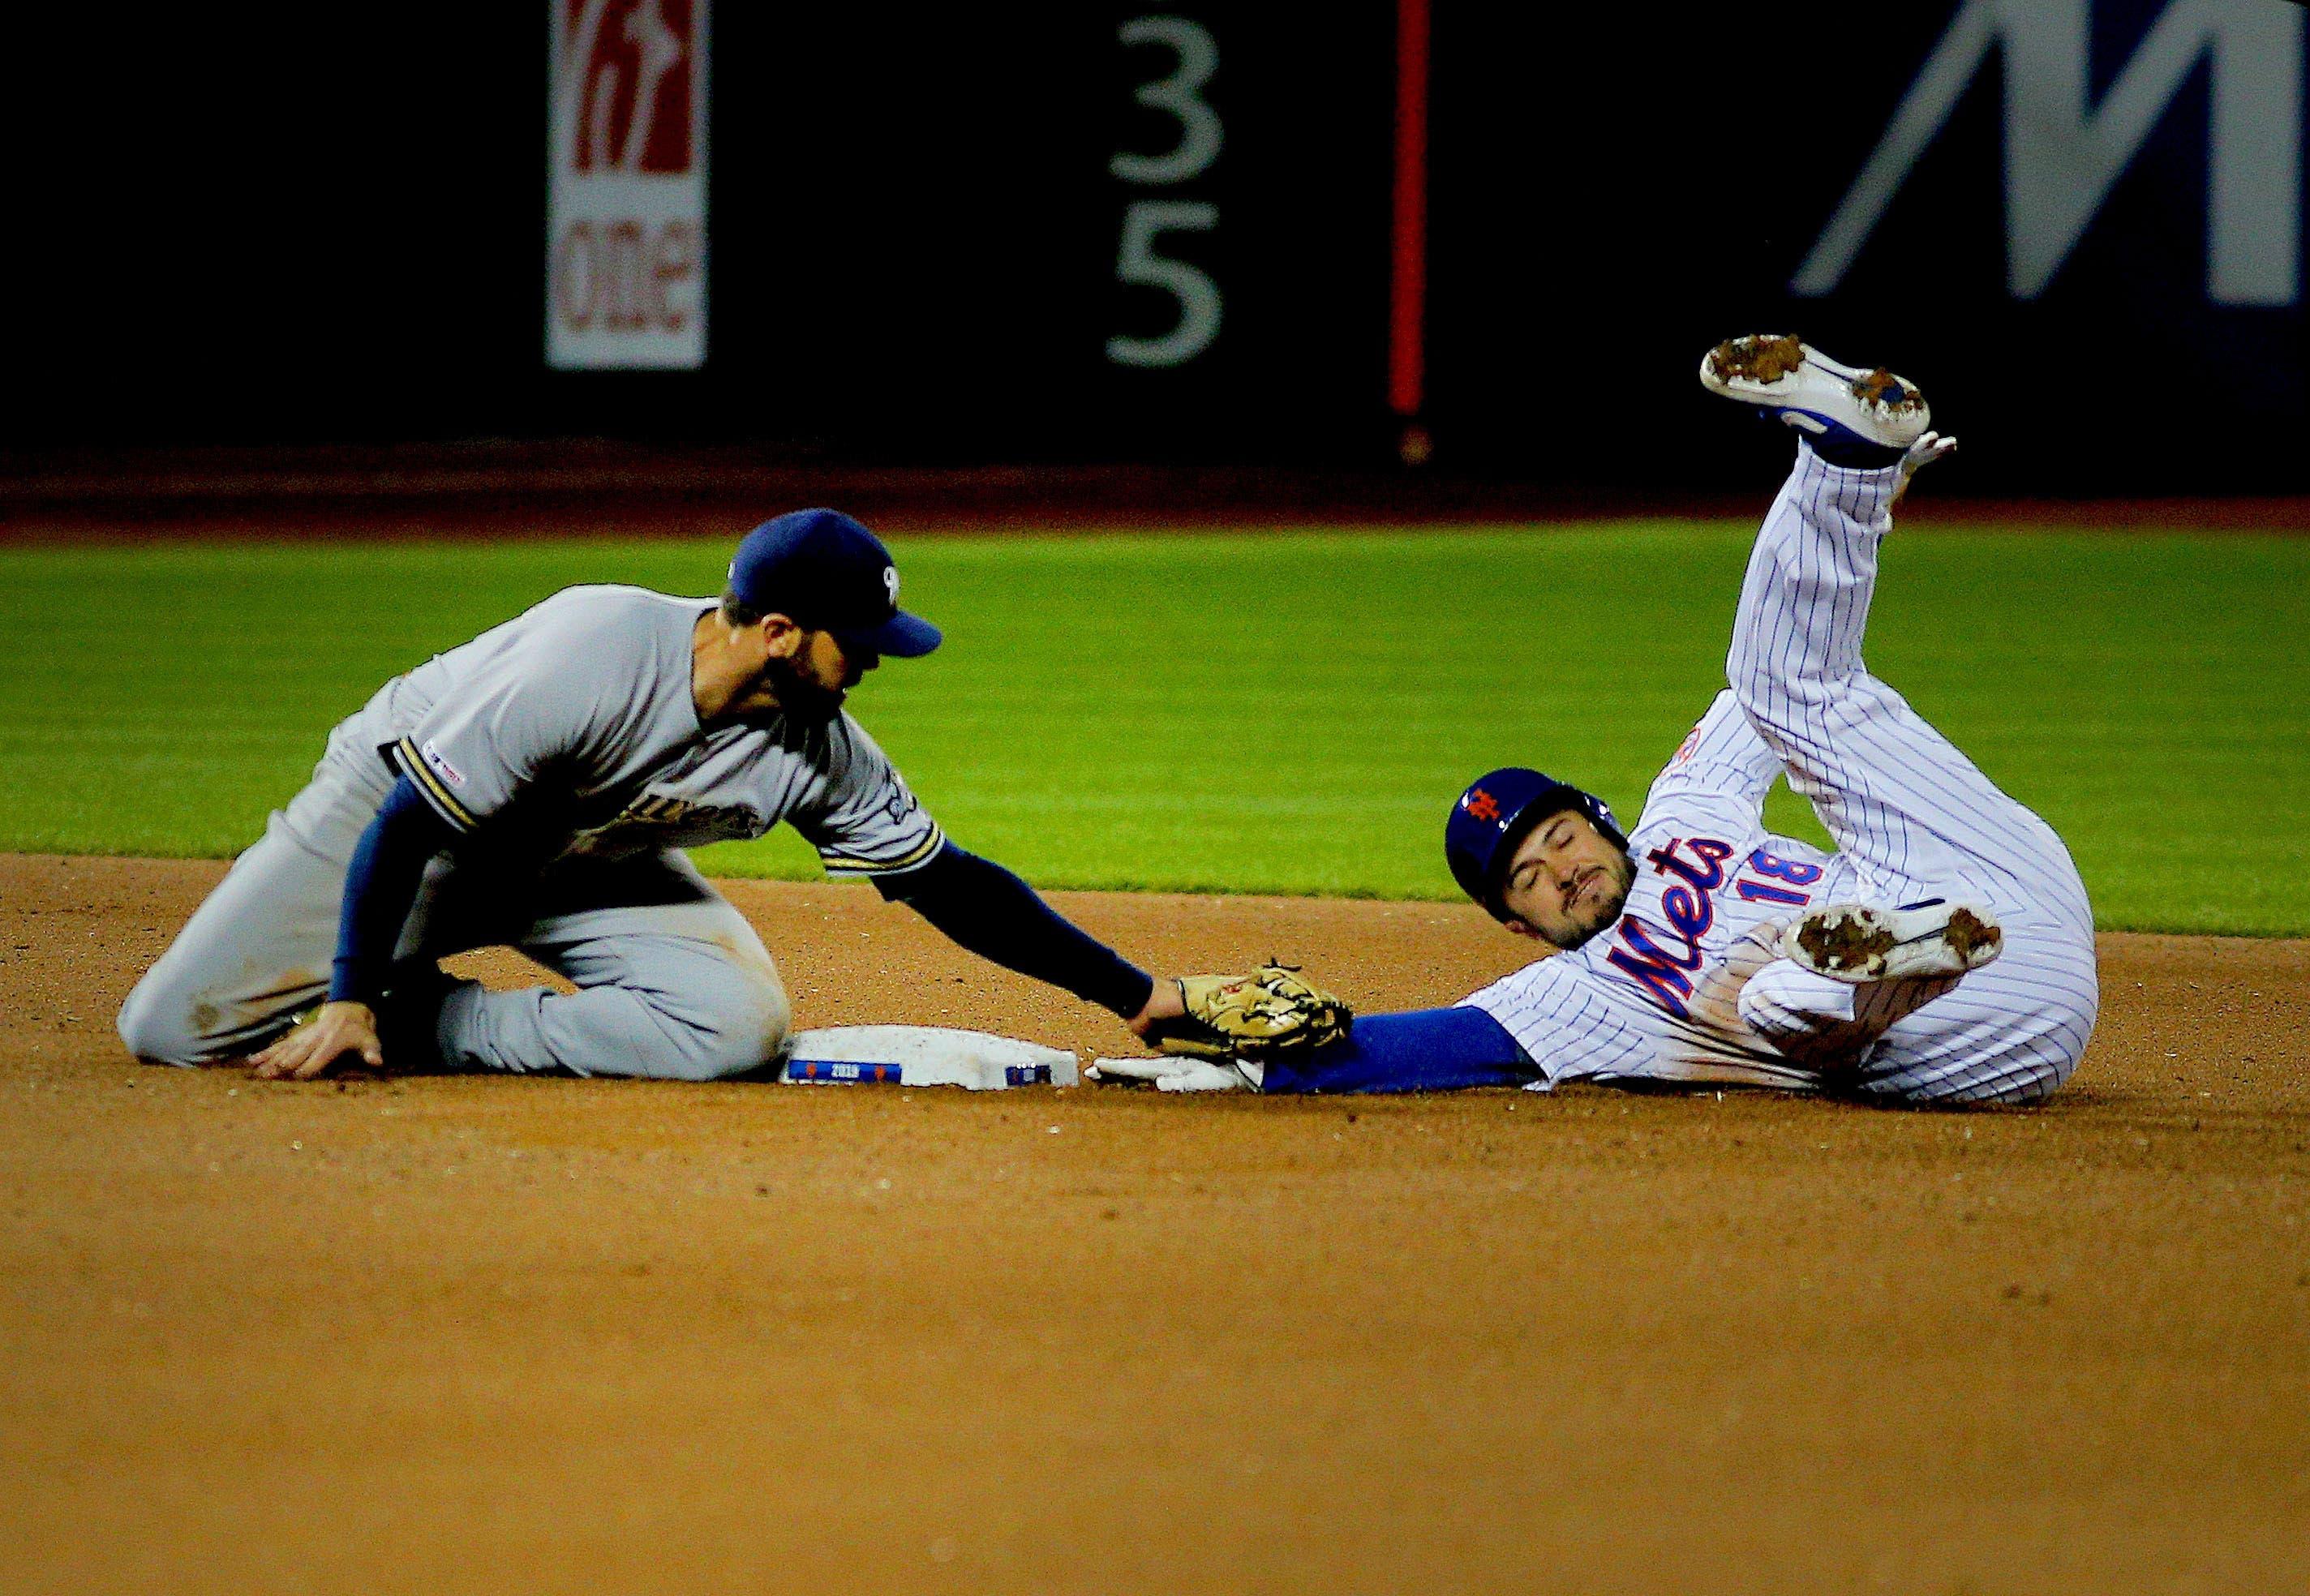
[(2078, 221)]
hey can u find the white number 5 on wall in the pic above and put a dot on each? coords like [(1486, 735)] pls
[(1138, 262)]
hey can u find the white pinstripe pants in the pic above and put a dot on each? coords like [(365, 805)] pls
[(1910, 814)]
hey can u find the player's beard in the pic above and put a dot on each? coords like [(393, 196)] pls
[(1595, 916), (800, 699)]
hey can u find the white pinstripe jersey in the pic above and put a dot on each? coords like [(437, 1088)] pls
[(571, 730), (1707, 873), (1913, 818)]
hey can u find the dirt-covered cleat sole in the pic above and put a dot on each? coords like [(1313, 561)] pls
[(1922, 942), (1790, 378)]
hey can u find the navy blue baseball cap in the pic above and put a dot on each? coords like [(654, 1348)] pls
[(1496, 813), (822, 570)]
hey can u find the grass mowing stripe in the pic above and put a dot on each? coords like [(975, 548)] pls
[(1098, 718)]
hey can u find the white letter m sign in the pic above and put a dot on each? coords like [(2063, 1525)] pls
[(2062, 155)]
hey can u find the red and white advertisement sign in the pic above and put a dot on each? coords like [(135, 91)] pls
[(625, 266)]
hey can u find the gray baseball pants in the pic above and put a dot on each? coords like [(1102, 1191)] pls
[(673, 982)]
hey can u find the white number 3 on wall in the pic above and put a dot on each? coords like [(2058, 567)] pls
[(1195, 57), (1182, 95)]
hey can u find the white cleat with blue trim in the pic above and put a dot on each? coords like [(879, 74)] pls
[(1817, 395)]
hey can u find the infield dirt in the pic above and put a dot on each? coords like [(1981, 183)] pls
[(497, 1335)]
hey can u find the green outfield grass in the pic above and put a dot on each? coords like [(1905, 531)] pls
[(1286, 713)]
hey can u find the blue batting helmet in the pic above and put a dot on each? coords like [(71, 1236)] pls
[(1497, 812)]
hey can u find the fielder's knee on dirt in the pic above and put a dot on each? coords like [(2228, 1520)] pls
[(737, 1029), (718, 1014), (156, 1022)]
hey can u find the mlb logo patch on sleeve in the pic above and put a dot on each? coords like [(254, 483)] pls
[(440, 766)]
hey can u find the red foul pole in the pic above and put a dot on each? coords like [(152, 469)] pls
[(1408, 291)]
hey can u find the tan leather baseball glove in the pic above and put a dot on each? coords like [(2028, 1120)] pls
[(1273, 1012)]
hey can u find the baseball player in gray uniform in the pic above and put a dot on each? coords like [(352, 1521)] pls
[(536, 786), (1942, 954)]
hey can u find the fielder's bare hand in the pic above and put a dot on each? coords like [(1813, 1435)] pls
[(310, 1049), (1165, 1003)]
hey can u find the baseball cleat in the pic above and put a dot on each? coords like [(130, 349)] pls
[(1857, 942), (1817, 395)]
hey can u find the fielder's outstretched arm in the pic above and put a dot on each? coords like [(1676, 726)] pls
[(988, 910)]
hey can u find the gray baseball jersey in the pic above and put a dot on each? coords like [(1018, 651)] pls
[(571, 729), (568, 737)]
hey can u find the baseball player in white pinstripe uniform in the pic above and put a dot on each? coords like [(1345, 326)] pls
[(1943, 954)]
